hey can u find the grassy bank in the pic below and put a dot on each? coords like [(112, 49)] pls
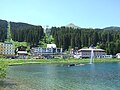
[(65, 61), (3, 67)]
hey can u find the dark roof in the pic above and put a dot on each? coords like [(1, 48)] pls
[(8, 43)]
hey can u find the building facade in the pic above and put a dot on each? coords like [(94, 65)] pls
[(22, 52), (49, 50), (45, 51), (7, 49), (86, 53), (118, 55)]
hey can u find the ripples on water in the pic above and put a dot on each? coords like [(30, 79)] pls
[(102, 76)]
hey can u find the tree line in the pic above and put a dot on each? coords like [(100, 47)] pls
[(22, 32), (67, 38), (70, 38)]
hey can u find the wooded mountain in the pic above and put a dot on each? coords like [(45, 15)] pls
[(65, 36), (3, 29), (70, 38), (22, 32)]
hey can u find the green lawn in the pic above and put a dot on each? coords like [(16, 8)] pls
[(66, 61)]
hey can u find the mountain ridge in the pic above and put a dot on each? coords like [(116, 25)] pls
[(3, 23)]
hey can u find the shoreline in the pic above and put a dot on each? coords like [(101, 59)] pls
[(12, 62)]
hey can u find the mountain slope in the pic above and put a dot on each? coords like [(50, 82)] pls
[(112, 28), (21, 32), (71, 25)]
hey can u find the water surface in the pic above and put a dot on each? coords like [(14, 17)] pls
[(102, 76)]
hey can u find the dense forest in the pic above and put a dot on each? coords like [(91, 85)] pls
[(65, 37), (101, 38), (3, 29), (22, 32)]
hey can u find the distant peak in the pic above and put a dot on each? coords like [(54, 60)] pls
[(115, 28), (71, 25)]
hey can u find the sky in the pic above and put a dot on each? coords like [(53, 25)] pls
[(83, 13)]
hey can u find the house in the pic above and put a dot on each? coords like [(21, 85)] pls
[(98, 53), (49, 50), (22, 52), (51, 45), (86, 53), (7, 49), (118, 55), (40, 51)]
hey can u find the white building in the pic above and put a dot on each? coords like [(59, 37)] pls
[(118, 55), (51, 45), (22, 54), (98, 53), (51, 49)]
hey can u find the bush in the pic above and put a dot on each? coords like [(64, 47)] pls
[(3, 68)]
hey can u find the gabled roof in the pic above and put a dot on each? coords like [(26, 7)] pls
[(89, 49), (118, 54), (22, 52), (51, 45)]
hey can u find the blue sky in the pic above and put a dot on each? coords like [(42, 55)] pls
[(84, 13)]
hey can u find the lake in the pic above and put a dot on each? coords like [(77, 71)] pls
[(100, 76)]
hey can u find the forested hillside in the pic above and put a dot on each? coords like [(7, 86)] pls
[(66, 37), (3, 29), (27, 33), (71, 38), (22, 32)]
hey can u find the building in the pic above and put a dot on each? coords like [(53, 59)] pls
[(22, 52), (42, 51), (86, 53), (98, 53), (51, 45), (118, 55), (49, 50), (7, 49)]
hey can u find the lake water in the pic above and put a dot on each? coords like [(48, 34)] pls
[(101, 76)]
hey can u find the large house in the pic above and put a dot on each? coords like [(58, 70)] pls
[(86, 53), (118, 55), (22, 52), (49, 50), (7, 49)]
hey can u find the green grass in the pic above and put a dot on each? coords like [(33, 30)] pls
[(64, 61), (3, 67)]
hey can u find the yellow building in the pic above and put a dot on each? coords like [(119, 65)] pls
[(7, 49)]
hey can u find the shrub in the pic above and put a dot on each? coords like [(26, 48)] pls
[(3, 68)]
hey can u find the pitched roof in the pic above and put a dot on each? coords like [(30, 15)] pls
[(22, 52), (89, 49), (118, 54)]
